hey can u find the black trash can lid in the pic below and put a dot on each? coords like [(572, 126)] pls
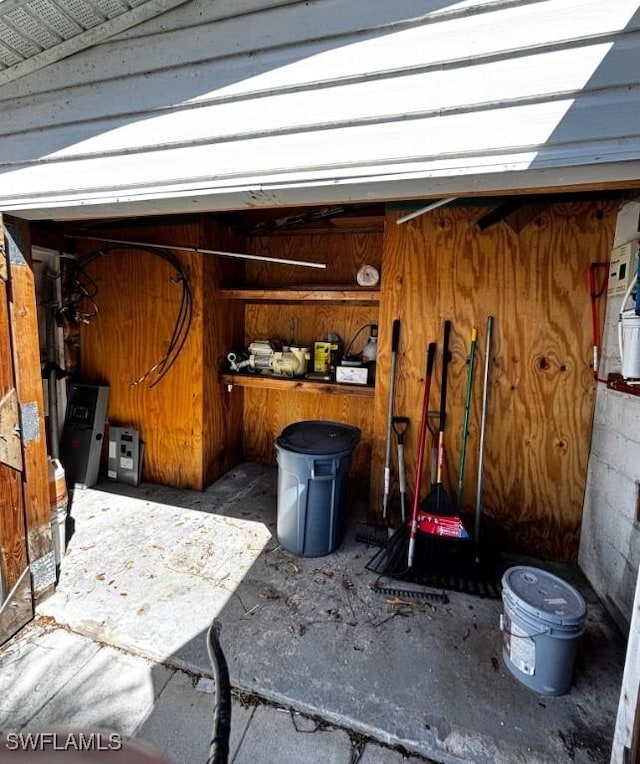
[(319, 438)]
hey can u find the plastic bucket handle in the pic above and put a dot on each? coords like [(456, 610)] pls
[(503, 627), (317, 468)]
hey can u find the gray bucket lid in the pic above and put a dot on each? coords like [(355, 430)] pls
[(545, 596), (318, 438)]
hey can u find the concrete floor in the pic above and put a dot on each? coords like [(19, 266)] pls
[(148, 568), (61, 681)]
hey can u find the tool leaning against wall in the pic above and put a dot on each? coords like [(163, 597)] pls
[(395, 339), (438, 514)]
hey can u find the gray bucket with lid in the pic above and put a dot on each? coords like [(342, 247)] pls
[(313, 461), (544, 618)]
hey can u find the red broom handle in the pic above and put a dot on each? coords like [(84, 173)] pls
[(424, 422)]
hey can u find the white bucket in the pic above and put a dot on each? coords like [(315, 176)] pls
[(59, 532), (58, 501), (57, 484), (629, 339), (543, 619)]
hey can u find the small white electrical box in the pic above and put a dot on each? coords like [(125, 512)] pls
[(126, 452), (352, 375), (623, 268), (627, 223)]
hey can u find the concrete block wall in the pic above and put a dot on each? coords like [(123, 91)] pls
[(610, 536)]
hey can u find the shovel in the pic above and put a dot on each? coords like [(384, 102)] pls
[(400, 426)]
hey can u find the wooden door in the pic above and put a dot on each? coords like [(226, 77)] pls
[(16, 603)]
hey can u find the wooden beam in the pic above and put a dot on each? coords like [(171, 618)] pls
[(499, 213)]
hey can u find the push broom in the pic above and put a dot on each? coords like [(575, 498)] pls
[(438, 515)]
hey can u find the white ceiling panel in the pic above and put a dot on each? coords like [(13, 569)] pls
[(35, 33)]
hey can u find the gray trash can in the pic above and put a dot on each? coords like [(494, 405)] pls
[(313, 461)]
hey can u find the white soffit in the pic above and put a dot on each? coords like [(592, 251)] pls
[(35, 33)]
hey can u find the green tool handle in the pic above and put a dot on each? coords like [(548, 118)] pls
[(465, 422)]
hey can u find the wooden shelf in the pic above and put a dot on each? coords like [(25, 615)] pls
[(324, 293), (297, 384)]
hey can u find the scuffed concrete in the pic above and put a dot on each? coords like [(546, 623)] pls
[(56, 680), (147, 569)]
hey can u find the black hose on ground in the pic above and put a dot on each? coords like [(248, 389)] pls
[(219, 745)]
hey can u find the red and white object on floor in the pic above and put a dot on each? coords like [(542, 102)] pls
[(441, 525)]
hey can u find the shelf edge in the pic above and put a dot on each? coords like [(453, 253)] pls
[(297, 384)]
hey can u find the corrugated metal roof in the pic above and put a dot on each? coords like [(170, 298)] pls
[(34, 33)]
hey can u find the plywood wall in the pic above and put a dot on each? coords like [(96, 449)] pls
[(530, 273), (184, 420), (342, 253), (542, 390), (223, 329), (266, 413)]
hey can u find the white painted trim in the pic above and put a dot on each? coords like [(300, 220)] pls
[(629, 695), (233, 197)]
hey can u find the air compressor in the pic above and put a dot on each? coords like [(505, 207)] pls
[(271, 356)]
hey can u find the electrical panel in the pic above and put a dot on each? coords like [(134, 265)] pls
[(627, 224), (623, 268), (126, 452), (82, 434)]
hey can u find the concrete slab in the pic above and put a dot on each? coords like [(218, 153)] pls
[(377, 754), (313, 635), (36, 666), (180, 724), (112, 690), (283, 737), (149, 576)]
